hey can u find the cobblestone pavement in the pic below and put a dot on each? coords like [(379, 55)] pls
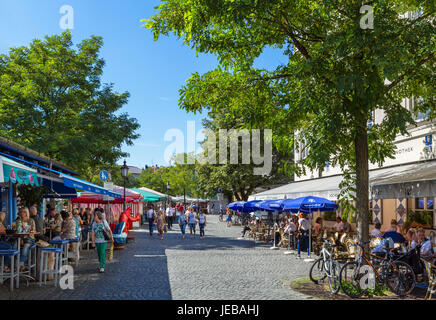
[(220, 266)]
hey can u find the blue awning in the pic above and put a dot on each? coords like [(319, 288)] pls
[(76, 183), (58, 190), (69, 181)]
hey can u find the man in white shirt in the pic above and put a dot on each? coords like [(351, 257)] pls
[(169, 217), (150, 217), (290, 228), (339, 225), (376, 233), (427, 251), (192, 220)]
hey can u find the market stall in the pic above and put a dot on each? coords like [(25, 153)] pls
[(112, 207)]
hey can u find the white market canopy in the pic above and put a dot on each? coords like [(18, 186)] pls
[(412, 180)]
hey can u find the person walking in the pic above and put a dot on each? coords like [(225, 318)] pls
[(303, 228), (151, 217), (99, 226), (182, 223), (202, 223), (192, 220), (169, 217), (229, 219), (160, 222)]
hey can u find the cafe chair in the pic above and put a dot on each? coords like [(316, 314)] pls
[(31, 263), (43, 269), (13, 274), (431, 275), (62, 244), (75, 254)]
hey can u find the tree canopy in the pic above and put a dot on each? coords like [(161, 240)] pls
[(336, 74), (52, 101)]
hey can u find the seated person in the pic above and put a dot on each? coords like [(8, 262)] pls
[(347, 226), (39, 224), (317, 228), (68, 230), (376, 233), (339, 225), (394, 235), (290, 228), (394, 223), (427, 251), (245, 228), (28, 226), (411, 239), (5, 243), (53, 223)]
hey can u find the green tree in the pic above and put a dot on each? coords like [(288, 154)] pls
[(52, 100), (333, 80)]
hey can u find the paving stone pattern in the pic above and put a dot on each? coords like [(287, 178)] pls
[(220, 266)]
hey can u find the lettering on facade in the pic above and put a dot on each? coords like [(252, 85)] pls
[(404, 150)]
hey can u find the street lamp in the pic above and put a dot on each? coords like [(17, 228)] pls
[(168, 193), (124, 173)]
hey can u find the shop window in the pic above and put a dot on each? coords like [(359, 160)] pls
[(419, 203), (419, 219), (430, 204), (422, 215)]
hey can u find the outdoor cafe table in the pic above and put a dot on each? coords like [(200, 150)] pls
[(20, 236)]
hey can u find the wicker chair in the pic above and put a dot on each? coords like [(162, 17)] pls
[(431, 274)]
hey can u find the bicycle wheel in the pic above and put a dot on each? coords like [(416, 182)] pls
[(400, 278), (317, 272), (334, 276), (349, 280)]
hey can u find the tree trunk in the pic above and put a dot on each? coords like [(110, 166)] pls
[(362, 185)]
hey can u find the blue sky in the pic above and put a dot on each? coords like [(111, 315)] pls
[(153, 72)]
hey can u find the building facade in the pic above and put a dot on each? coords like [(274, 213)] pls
[(403, 188)]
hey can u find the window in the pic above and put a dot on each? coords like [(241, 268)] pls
[(424, 203), (430, 204), (304, 150), (419, 203)]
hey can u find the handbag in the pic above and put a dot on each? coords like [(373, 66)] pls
[(106, 235)]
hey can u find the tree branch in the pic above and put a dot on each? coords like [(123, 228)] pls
[(410, 71)]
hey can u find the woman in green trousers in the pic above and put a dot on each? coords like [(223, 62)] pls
[(98, 239)]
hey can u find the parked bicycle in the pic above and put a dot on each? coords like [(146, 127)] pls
[(326, 266), (397, 275)]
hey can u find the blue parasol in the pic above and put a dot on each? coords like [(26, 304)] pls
[(236, 206), (308, 204)]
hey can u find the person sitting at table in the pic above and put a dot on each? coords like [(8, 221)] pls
[(394, 223), (5, 243), (339, 225), (411, 239), (317, 227), (54, 223), (27, 226), (68, 229), (245, 228), (290, 229), (376, 233), (427, 251), (347, 226), (394, 235), (39, 224)]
